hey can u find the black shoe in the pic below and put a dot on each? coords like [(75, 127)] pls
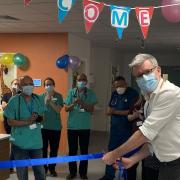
[(46, 170), (83, 176), (71, 176), (53, 173), (105, 177), (12, 171)]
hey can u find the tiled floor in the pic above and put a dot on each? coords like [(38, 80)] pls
[(96, 167)]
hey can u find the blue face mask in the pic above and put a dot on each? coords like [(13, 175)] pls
[(28, 90), (49, 88), (81, 84), (147, 83)]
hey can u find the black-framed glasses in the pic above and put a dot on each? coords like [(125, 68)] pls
[(146, 72)]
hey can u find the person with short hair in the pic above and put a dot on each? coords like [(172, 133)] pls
[(159, 134), (25, 114), (80, 104), (120, 104), (51, 130)]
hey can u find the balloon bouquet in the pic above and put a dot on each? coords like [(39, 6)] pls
[(66, 61), (18, 59), (171, 13)]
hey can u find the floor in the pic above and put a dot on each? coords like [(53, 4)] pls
[(96, 168)]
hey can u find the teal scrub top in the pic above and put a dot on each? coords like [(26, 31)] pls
[(52, 119), (79, 119), (25, 137)]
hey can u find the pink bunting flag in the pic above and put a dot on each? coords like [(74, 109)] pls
[(144, 16), (27, 2), (91, 13)]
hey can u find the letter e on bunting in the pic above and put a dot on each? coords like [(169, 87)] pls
[(91, 13), (144, 16)]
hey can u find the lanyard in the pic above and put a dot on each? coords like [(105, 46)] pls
[(30, 106)]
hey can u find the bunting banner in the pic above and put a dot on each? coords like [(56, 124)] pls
[(144, 16), (91, 13), (120, 18), (119, 14), (64, 6), (27, 2)]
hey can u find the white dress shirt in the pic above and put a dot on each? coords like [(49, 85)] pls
[(162, 125)]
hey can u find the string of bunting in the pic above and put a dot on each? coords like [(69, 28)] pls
[(119, 14)]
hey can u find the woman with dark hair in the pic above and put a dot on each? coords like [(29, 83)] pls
[(79, 104), (51, 130)]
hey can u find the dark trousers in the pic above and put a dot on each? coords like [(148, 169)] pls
[(78, 138), (149, 173), (21, 154), (115, 140), (170, 170), (131, 172), (51, 138)]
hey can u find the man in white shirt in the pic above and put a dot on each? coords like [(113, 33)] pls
[(161, 128)]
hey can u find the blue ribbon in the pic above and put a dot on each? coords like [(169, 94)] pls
[(122, 171), (43, 161), (60, 159)]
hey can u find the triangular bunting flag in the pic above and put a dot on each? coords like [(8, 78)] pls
[(144, 16), (64, 7), (91, 13), (120, 18), (27, 2)]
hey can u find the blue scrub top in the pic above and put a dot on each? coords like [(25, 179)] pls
[(119, 124)]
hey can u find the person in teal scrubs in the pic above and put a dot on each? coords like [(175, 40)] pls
[(80, 105), (25, 113), (51, 130)]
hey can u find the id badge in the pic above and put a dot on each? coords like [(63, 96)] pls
[(139, 123), (81, 110), (33, 126), (54, 99)]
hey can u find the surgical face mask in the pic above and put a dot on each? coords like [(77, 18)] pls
[(28, 90), (147, 83), (120, 90), (49, 88), (15, 87), (81, 84)]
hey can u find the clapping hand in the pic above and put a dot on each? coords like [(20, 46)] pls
[(47, 98), (33, 118), (79, 101)]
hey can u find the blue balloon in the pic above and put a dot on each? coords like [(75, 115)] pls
[(62, 62)]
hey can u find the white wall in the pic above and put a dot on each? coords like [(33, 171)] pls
[(100, 67), (81, 48)]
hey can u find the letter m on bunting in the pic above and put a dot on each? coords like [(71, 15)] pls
[(120, 18)]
